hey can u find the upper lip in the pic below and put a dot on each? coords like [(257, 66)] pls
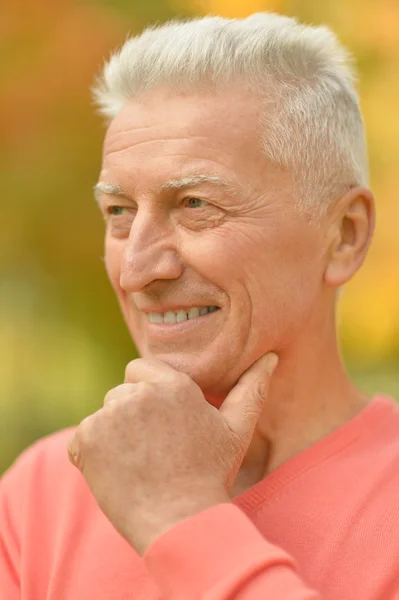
[(173, 307)]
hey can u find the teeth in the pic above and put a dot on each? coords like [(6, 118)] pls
[(193, 313), (181, 315), (169, 317), (155, 317)]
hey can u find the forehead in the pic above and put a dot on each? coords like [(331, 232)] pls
[(163, 135), (227, 119)]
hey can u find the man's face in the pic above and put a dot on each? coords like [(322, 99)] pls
[(205, 221)]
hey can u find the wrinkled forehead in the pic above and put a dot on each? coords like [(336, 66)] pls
[(163, 135), (227, 118)]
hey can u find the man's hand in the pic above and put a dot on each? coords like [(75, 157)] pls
[(157, 452)]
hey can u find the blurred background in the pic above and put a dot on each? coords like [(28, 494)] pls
[(63, 343)]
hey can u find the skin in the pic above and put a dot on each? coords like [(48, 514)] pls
[(246, 249)]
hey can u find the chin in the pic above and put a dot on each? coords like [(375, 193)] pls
[(215, 382), (185, 363)]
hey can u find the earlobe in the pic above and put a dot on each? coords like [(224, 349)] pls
[(352, 231)]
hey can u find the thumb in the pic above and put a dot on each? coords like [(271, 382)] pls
[(243, 405)]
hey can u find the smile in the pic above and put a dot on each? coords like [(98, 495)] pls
[(178, 316)]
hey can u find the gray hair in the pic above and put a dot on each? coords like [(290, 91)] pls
[(311, 122)]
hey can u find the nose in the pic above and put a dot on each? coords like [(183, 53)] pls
[(150, 253)]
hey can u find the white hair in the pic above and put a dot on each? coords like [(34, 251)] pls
[(311, 121)]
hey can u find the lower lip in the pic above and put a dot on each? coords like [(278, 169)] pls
[(169, 330)]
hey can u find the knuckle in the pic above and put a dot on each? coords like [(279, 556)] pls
[(183, 380), (120, 391), (85, 434), (145, 386), (109, 396), (73, 446), (145, 390), (131, 369)]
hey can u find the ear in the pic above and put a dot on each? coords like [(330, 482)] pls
[(351, 231)]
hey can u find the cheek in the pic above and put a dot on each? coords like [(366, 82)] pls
[(220, 255), (276, 271), (112, 260), (284, 294)]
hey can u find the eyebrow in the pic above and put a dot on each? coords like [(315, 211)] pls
[(177, 184), (104, 187)]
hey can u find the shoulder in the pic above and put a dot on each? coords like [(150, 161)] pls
[(47, 453), (40, 475)]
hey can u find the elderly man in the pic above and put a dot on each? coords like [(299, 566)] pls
[(237, 460)]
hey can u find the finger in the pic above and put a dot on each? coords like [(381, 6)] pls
[(152, 371), (123, 391), (82, 438), (73, 451), (244, 404)]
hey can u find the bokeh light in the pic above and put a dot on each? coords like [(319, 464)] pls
[(63, 343)]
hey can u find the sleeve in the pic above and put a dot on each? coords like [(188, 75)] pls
[(219, 554), (9, 550)]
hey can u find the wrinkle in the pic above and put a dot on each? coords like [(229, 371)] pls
[(144, 142)]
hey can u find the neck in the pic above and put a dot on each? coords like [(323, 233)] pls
[(310, 395)]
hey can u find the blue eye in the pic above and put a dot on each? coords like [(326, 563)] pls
[(195, 202)]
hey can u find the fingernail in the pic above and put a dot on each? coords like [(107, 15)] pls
[(271, 363)]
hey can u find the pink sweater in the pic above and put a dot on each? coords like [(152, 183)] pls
[(325, 525)]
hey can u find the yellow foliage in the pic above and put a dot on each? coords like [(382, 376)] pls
[(59, 360), (238, 8)]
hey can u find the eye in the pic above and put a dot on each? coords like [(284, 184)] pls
[(115, 211), (195, 202)]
